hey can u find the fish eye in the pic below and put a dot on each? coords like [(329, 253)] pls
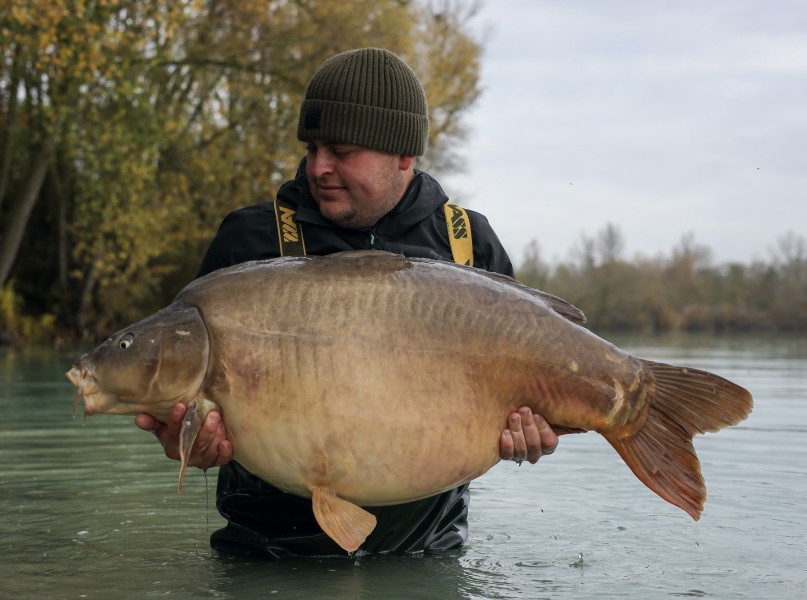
[(125, 341)]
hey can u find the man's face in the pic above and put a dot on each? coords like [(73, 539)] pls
[(353, 186)]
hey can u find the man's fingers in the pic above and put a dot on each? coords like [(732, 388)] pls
[(145, 422), (177, 414), (225, 453), (528, 437), (206, 446), (207, 433), (532, 435), (212, 448), (548, 437), (506, 445), (515, 424)]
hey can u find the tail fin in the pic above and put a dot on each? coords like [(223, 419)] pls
[(687, 401)]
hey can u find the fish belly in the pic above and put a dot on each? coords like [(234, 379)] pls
[(365, 428)]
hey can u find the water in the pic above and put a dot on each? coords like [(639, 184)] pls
[(92, 512)]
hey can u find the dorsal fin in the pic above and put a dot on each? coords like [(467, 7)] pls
[(559, 305)]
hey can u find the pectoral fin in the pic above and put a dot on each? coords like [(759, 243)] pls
[(344, 522), (191, 424)]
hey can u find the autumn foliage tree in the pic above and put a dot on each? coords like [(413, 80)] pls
[(130, 127)]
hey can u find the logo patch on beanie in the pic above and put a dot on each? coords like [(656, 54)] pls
[(312, 118)]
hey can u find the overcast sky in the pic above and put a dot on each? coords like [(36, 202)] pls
[(663, 117)]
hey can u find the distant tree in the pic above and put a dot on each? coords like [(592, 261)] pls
[(610, 244), (585, 252), (533, 271), (789, 310)]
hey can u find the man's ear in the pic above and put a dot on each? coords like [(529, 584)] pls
[(406, 162)]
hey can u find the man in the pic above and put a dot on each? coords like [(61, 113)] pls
[(364, 118)]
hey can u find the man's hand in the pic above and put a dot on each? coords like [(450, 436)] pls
[(527, 437), (211, 448)]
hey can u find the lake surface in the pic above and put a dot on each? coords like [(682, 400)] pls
[(92, 512)]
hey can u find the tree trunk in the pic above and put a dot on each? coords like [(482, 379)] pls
[(85, 301), (20, 210), (62, 250), (9, 130)]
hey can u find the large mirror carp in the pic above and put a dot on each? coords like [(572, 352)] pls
[(367, 378)]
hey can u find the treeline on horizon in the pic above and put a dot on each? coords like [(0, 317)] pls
[(683, 291)]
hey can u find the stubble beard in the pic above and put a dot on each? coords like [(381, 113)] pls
[(364, 217)]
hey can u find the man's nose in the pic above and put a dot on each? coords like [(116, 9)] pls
[(321, 163)]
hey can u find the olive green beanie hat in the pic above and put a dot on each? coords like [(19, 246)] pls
[(367, 97)]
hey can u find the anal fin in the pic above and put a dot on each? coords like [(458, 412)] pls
[(344, 522)]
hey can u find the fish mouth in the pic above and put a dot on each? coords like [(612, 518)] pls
[(87, 389)]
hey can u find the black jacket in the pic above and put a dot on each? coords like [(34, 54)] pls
[(262, 518)]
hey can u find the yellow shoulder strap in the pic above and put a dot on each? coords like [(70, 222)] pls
[(289, 231), (459, 234)]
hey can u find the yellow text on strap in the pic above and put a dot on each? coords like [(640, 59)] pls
[(459, 234), (289, 233)]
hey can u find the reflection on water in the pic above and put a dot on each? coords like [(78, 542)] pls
[(92, 512)]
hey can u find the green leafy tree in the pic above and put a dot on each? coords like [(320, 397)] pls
[(134, 126)]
